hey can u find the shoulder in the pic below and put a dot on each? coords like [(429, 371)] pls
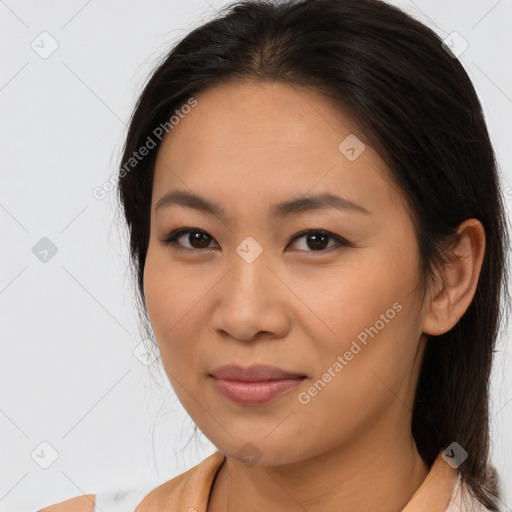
[(165, 493), (189, 487), (84, 503)]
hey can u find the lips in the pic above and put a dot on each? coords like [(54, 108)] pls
[(254, 385), (254, 373)]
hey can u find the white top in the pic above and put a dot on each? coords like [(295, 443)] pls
[(463, 503), (120, 501)]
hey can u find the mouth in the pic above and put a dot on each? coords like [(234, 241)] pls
[(254, 385)]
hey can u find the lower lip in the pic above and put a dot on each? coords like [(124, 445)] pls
[(254, 393)]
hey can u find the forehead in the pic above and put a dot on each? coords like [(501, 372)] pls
[(233, 114), (266, 138)]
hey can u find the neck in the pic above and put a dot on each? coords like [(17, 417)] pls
[(380, 472)]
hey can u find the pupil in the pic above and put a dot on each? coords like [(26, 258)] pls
[(196, 236), (316, 243)]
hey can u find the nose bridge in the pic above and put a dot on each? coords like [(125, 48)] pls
[(249, 250), (249, 301), (249, 268)]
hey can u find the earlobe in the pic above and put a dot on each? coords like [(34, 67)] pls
[(458, 280)]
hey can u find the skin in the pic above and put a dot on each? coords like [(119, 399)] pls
[(247, 146)]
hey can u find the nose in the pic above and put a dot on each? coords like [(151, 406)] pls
[(251, 301)]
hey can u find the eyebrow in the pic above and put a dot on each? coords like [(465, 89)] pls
[(292, 206)]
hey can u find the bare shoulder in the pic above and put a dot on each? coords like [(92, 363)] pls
[(84, 503)]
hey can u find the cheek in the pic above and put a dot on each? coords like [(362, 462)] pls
[(345, 303), (174, 310), (368, 317), (173, 301)]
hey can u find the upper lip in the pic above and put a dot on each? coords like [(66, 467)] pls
[(253, 373)]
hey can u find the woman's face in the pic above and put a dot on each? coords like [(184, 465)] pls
[(249, 287)]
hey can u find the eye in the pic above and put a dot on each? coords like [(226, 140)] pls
[(318, 240), (197, 238), (315, 239)]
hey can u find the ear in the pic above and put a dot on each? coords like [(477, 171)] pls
[(458, 280)]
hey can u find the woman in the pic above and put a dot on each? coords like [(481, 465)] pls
[(319, 238)]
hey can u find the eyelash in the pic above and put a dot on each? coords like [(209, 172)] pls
[(171, 239)]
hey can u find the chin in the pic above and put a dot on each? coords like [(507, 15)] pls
[(263, 451)]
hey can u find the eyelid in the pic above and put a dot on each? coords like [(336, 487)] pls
[(171, 239), (339, 239)]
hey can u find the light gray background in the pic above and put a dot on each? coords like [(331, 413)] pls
[(68, 327)]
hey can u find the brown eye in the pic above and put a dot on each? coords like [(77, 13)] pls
[(318, 240), (196, 238), (190, 239)]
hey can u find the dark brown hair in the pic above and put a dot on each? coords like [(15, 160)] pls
[(414, 103)]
